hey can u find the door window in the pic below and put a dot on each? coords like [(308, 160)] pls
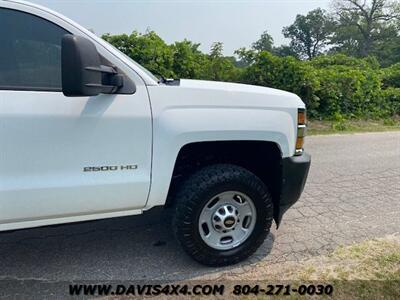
[(30, 52)]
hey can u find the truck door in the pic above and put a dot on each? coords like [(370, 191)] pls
[(63, 157)]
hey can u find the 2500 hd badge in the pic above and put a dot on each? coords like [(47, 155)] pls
[(110, 168)]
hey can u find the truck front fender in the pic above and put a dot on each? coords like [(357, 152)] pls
[(176, 127)]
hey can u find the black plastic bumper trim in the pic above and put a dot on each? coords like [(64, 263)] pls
[(294, 175)]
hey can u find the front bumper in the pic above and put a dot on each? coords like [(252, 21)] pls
[(294, 175)]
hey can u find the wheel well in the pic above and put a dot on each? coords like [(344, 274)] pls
[(259, 157)]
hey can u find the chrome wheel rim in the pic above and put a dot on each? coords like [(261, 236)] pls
[(227, 220)]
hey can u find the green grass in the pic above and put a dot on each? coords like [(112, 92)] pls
[(316, 127), (367, 270)]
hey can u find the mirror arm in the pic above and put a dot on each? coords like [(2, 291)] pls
[(115, 80), (102, 69)]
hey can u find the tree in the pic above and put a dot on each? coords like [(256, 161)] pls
[(310, 34), (264, 43), (216, 50), (216, 63), (363, 24), (220, 68), (189, 61)]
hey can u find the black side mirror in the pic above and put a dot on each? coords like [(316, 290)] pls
[(82, 71)]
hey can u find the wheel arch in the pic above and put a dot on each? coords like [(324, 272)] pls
[(263, 158)]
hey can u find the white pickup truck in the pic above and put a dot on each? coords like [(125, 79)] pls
[(86, 133)]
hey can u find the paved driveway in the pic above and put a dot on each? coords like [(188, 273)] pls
[(353, 193)]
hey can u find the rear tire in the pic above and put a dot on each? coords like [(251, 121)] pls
[(212, 207)]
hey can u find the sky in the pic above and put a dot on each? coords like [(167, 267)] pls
[(236, 23)]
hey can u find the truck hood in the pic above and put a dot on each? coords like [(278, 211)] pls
[(249, 92), (229, 86), (223, 95)]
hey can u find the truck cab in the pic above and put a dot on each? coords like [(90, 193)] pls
[(87, 133)]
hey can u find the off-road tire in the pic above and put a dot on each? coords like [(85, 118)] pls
[(197, 190)]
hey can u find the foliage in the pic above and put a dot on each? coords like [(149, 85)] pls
[(179, 60), (285, 51), (391, 98), (220, 68), (331, 86), (148, 49), (188, 60), (350, 87), (341, 84), (391, 76), (343, 60), (347, 86), (246, 57)]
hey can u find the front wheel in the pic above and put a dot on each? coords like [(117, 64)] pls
[(223, 214)]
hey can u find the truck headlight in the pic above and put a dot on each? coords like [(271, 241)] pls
[(301, 130)]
